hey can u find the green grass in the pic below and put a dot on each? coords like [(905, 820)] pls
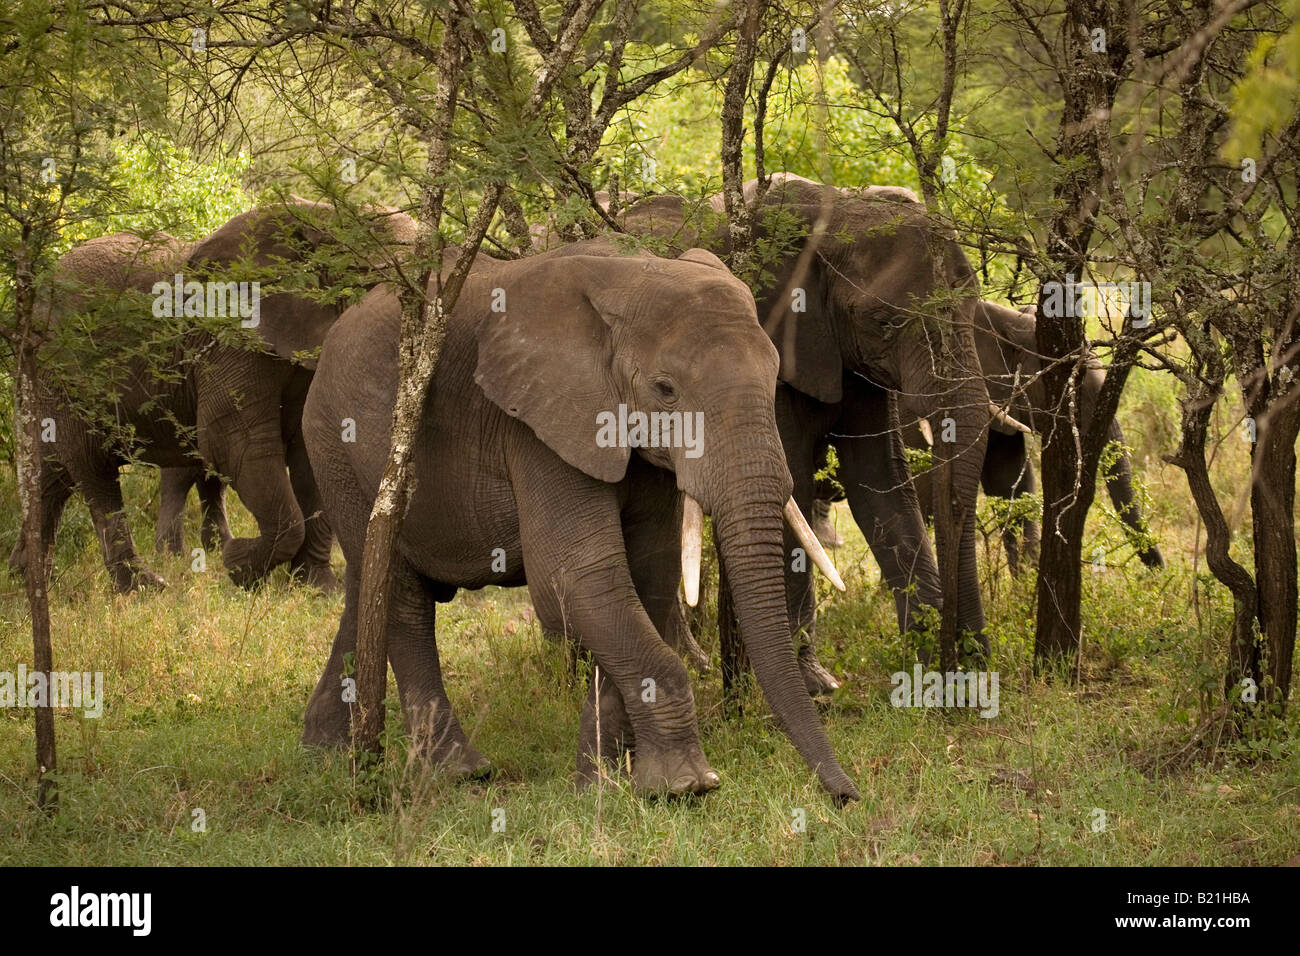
[(207, 683)]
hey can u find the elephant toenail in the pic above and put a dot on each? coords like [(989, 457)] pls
[(683, 784), (711, 781)]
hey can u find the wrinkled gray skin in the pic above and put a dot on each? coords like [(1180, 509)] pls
[(241, 402), (174, 484), (1012, 369), (860, 356), (509, 460)]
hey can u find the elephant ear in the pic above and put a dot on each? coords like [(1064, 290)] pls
[(810, 353), (546, 352), (262, 245)]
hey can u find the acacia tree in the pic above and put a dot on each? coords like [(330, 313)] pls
[(1223, 243), (1104, 57), (65, 86), (478, 105)]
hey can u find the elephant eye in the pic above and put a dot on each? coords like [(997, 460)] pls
[(664, 389)]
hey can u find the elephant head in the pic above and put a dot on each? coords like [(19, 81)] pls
[(610, 345), (866, 283), (270, 241), (1012, 367)]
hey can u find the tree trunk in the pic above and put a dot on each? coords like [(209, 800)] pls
[(1272, 506), (420, 344), (739, 215), (37, 569)]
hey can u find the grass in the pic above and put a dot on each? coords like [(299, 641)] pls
[(206, 686)]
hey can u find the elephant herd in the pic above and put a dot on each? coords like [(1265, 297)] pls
[(592, 402)]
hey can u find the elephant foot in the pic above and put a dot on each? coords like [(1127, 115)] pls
[(437, 738), (170, 543), (822, 527), (319, 576), (460, 760), (674, 772), (244, 562), (819, 681), (134, 577), (1152, 558), (328, 722)]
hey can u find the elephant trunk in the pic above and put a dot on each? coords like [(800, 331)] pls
[(945, 385), (751, 488)]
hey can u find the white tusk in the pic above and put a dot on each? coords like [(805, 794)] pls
[(1007, 420), (925, 431), (692, 547), (799, 525)]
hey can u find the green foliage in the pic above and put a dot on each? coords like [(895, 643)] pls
[(815, 128), (1265, 100), (163, 186)]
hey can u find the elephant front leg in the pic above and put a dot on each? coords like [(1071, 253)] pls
[(876, 480), (604, 730), (804, 458), (98, 482), (581, 583)]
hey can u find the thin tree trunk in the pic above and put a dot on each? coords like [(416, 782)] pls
[(423, 329), (422, 332), (37, 571), (1272, 505), (1243, 655), (739, 215)]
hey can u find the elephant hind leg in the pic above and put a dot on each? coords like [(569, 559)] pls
[(413, 651), (1008, 473), (329, 712), (214, 530), (173, 489)]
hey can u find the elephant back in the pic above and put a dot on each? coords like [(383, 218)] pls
[(293, 245), (103, 269)]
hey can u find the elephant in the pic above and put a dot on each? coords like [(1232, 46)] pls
[(1013, 372), (843, 304), (174, 486), (230, 402), (525, 477)]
